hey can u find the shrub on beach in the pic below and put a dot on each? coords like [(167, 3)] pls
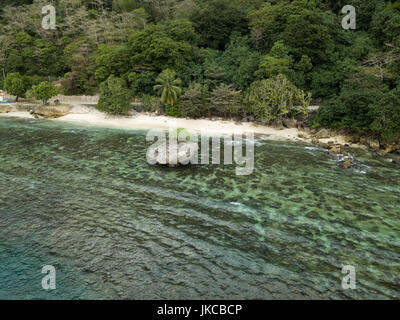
[(225, 101), (273, 99), (16, 84), (376, 111), (173, 111), (151, 103), (43, 91), (195, 101), (142, 83), (115, 97), (386, 111)]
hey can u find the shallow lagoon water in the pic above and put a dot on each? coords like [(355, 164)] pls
[(84, 200)]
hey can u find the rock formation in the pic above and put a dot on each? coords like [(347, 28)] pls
[(183, 153), (50, 111)]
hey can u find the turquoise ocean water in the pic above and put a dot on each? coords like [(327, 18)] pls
[(84, 200)]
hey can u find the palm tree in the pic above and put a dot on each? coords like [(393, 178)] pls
[(168, 87)]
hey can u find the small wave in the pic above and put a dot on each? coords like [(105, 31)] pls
[(243, 142), (311, 148)]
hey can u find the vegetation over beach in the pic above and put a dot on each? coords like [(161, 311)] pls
[(260, 59), (199, 149)]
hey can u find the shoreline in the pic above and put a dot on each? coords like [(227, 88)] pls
[(205, 126)]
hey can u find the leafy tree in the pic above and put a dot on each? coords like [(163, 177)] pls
[(214, 73), (162, 46), (275, 98), (352, 109), (216, 21), (279, 50), (266, 24), (192, 72), (377, 64), (19, 52), (239, 62), (16, 84), (44, 91), (327, 81), (125, 5), (307, 34), (335, 5), (150, 103), (168, 87), (173, 111), (225, 101), (271, 66), (142, 83), (111, 60), (358, 46), (385, 26), (195, 102), (81, 61), (301, 76), (77, 83), (115, 97), (47, 58), (304, 65), (386, 112), (394, 5), (365, 11)]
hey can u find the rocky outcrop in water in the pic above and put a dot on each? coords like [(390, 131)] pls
[(396, 160), (370, 142), (390, 147), (337, 149), (338, 152), (184, 153), (345, 159), (347, 163)]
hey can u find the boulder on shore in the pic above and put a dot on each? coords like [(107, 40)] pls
[(373, 144), (303, 135), (320, 144), (389, 148), (50, 111), (278, 125), (6, 109), (289, 123), (323, 134)]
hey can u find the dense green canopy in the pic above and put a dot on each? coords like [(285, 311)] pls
[(211, 44)]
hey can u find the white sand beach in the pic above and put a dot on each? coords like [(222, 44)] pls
[(143, 121), (205, 126)]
